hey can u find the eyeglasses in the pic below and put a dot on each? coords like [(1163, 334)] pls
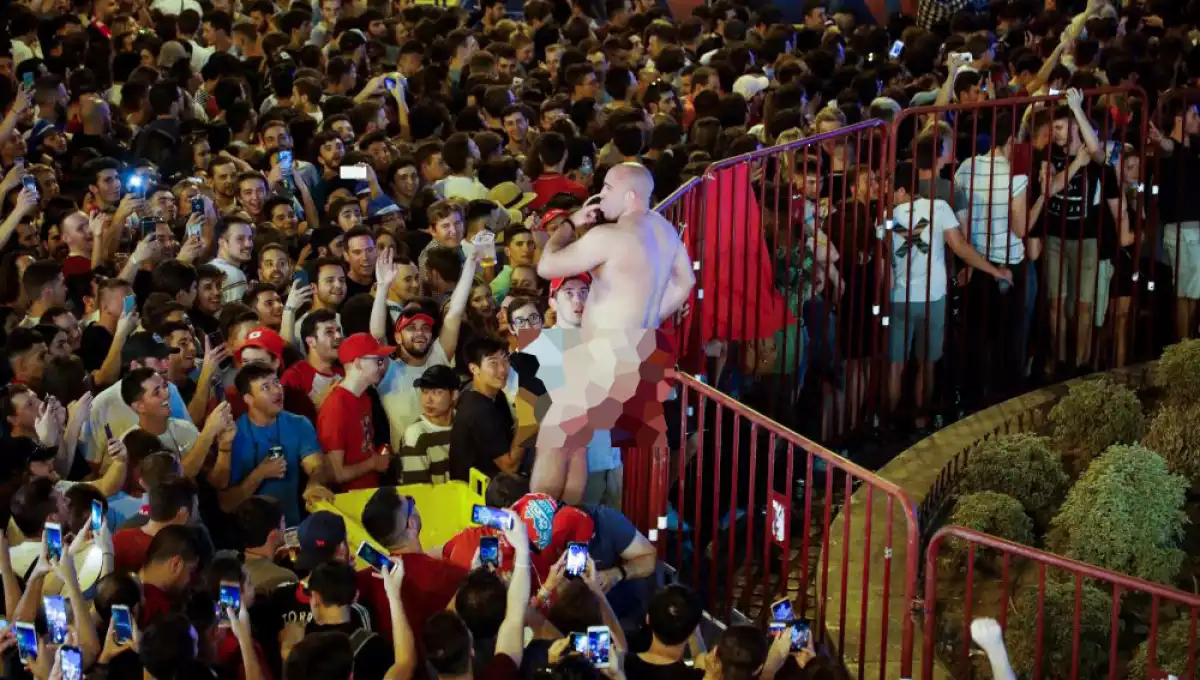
[(530, 321)]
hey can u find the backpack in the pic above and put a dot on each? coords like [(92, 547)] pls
[(360, 637)]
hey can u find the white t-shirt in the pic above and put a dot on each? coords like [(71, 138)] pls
[(402, 401), (109, 408), (467, 188), (179, 437), (918, 249), (235, 281), (992, 186)]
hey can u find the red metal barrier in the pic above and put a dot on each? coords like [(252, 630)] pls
[(750, 507), (1077, 573)]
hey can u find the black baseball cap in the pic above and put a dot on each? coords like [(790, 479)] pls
[(320, 535), (438, 378), (145, 345)]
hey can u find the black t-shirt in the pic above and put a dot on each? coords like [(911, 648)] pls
[(372, 659), (283, 605), (94, 346), (1080, 210), (354, 288), (642, 670), (483, 430)]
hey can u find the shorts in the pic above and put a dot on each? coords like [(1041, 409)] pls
[(604, 488), (908, 329), (1186, 259), (1075, 273)]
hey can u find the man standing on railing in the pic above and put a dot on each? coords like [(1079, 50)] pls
[(641, 273)]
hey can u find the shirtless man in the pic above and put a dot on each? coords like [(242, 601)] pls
[(641, 273)]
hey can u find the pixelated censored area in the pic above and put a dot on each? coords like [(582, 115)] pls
[(614, 380)]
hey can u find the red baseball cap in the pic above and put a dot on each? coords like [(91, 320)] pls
[(555, 284), (362, 345), (550, 216), (406, 318), (263, 338)]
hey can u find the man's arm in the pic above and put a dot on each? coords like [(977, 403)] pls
[(342, 472), (457, 309), (679, 287), (385, 275), (958, 243), (510, 639), (219, 420), (213, 356), (563, 257)]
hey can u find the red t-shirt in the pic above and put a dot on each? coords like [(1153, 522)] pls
[(546, 186), (499, 667), (301, 376), (229, 654), (76, 264), (155, 603), (428, 587), (344, 424), (129, 549)]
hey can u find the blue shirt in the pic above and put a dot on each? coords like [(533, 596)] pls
[(253, 444), (612, 535)]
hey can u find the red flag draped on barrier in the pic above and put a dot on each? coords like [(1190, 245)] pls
[(737, 271)]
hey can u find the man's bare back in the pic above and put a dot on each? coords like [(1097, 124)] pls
[(628, 288)]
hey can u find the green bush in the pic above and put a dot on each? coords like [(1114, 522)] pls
[(1058, 620), (1125, 514), (1178, 373), (1170, 653), (992, 513), (1023, 466), (1174, 435), (1094, 415)]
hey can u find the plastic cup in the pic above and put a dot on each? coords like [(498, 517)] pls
[(485, 243)]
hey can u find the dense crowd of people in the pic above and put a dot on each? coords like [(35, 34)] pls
[(255, 254)]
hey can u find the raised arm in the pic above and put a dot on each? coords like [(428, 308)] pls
[(385, 274), (404, 645), (457, 309), (563, 257), (510, 639)]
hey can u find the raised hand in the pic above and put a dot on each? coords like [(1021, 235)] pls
[(385, 269)]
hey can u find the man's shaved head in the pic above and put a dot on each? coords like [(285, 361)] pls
[(627, 191)]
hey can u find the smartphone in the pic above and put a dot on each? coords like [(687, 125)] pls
[(599, 646), (369, 554), (491, 517), (122, 623), (230, 597), (216, 338), (70, 661), (3, 625), (577, 556), (97, 516), (29, 183), (285, 161), (300, 276), (137, 186), (578, 642), (389, 83), (197, 206), (355, 172), (130, 304), (1054, 92), (27, 641), (489, 551), (801, 630), (897, 48), (291, 537), (781, 610), (195, 230), (56, 617), (28, 78), (965, 56), (147, 226), (54, 540)]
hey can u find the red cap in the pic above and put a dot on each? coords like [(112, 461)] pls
[(555, 284), (263, 338), (362, 345), (549, 217), (406, 319)]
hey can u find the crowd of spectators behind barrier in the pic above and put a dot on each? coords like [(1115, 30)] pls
[(239, 273)]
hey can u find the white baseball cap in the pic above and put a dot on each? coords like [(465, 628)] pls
[(750, 85)]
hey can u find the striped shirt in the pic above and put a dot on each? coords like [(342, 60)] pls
[(425, 456)]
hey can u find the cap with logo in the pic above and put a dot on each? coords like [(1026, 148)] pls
[(320, 535), (555, 284), (144, 345), (263, 338), (362, 345)]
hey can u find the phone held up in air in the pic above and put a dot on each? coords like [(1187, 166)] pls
[(372, 556), (122, 623), (577, 557), (491, 517), (489, 551)]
